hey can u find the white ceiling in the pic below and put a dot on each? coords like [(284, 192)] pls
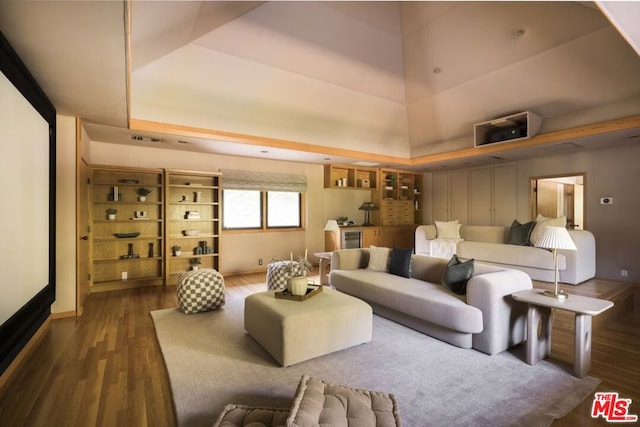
[(306, 80)]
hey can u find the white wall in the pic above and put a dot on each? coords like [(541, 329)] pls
[(241, 250), (66, 216), (609, 172)]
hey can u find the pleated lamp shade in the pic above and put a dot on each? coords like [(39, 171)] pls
[(556, 238)]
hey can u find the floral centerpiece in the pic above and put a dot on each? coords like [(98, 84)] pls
[(297, 271)]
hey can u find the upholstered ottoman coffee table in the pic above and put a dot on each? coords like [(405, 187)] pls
[(295, 331)]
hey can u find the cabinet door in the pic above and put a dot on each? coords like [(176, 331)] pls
[(505, 189), (385, 237), (440, 197), (403, 236), (459, 197), (370, 236), (480, 197)]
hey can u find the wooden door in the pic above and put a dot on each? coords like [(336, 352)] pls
[(82, 232), (547, 198)]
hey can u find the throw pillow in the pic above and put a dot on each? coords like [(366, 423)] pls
[(448, 229), (457, 274), (542, 222), (400, 262), (378, 259), (519, 234)]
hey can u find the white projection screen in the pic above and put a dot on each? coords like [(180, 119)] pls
[(27, 205), (24, 189)]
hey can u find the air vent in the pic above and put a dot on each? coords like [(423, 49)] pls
[(145, 139), (564, 146)]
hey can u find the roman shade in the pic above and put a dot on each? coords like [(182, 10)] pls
[(263, 181)]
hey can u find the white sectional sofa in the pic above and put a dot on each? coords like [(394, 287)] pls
[(486, 318), (488, 244)]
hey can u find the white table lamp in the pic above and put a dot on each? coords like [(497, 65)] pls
[(555, 238), (332, 225)]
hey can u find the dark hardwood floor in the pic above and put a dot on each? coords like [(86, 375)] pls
[(105, 368)]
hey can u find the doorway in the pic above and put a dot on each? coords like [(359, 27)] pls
[(554, 196)]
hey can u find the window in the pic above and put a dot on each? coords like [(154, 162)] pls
[(243, 209), (283, 209)]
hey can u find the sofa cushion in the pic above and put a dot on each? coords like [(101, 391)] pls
[(448, 229), (428, 301), (457, 274), (318, 403), (484, 233), (400, 262), (519, 234), (378, 258), (511, 255)]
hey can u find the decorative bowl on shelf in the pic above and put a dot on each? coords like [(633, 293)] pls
[(126, 235), (191, 232)]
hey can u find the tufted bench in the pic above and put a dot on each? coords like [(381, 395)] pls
[(319, 403), (200, 290)]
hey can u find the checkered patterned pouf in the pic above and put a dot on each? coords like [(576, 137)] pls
[(277, 274), (200, 290)]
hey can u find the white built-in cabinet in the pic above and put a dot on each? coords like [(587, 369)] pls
[(492, 195), (482, 196), (450, 196)]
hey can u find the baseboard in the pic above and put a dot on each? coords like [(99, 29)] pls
[(24, 354), (240, 273), (63, 314)]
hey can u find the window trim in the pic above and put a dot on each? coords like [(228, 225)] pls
[(263, 216)]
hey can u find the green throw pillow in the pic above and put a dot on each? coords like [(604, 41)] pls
[(519, 234), (457, 274)]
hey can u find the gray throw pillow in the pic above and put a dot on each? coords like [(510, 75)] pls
[(457, 274), (400, 262), (519, 234)]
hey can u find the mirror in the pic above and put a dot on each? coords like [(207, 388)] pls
[(559, 195)]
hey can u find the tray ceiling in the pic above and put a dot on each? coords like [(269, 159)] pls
[(394, 79)]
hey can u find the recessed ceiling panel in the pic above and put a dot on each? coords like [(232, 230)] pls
[(319, 42)]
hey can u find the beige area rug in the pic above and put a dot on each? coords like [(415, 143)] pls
[(212, 361)]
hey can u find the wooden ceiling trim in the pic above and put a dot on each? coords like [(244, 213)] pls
[(194, 132), (468, 153)]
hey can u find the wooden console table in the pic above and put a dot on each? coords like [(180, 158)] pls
[(540, 305)]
